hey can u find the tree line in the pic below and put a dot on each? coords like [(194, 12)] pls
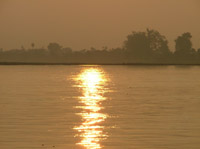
[(147, 47)]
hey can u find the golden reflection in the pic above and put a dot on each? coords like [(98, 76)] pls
[(92, 82)]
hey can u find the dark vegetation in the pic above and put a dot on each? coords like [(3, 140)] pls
[(149, 47)]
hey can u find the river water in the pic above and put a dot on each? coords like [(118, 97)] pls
[(99, 107)]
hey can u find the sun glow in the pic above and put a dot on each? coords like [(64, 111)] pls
[(92, 82)]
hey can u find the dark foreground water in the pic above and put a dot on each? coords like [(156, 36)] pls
[(94, 107)]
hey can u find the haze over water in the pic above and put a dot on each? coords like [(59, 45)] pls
[(97, 107)]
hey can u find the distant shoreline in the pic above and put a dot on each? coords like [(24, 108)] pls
[(147, 64)]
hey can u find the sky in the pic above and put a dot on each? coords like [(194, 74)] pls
[(81, 24)]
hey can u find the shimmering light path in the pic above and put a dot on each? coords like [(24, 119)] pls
[(92, 82)]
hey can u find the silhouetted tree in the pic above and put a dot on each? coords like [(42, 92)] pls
[(32, 45), (67, 50), (184, 44), (137, 47), (184, 51), (158, 43), (1, 52), (54, 49), (198, 54), (22, 48), (140, 47), (143, 46), (198, 50)]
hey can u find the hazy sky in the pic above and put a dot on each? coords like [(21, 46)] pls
[(84, 23)]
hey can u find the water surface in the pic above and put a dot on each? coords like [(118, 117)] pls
[(94, 107)]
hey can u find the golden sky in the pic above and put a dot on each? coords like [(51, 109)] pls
[(85, 23)]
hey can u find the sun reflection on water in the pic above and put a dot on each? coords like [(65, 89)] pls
[(92, 82)]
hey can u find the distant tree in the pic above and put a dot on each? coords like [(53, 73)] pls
[(198, 50), (184, 52), (198, 53), (1, 50), (1, 53), (92, 49), (143, 46), (22, 48), (67, 50), (184, 44), (104, 48), (54, 49), (158, 43), (33, 45), (137, 46)]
